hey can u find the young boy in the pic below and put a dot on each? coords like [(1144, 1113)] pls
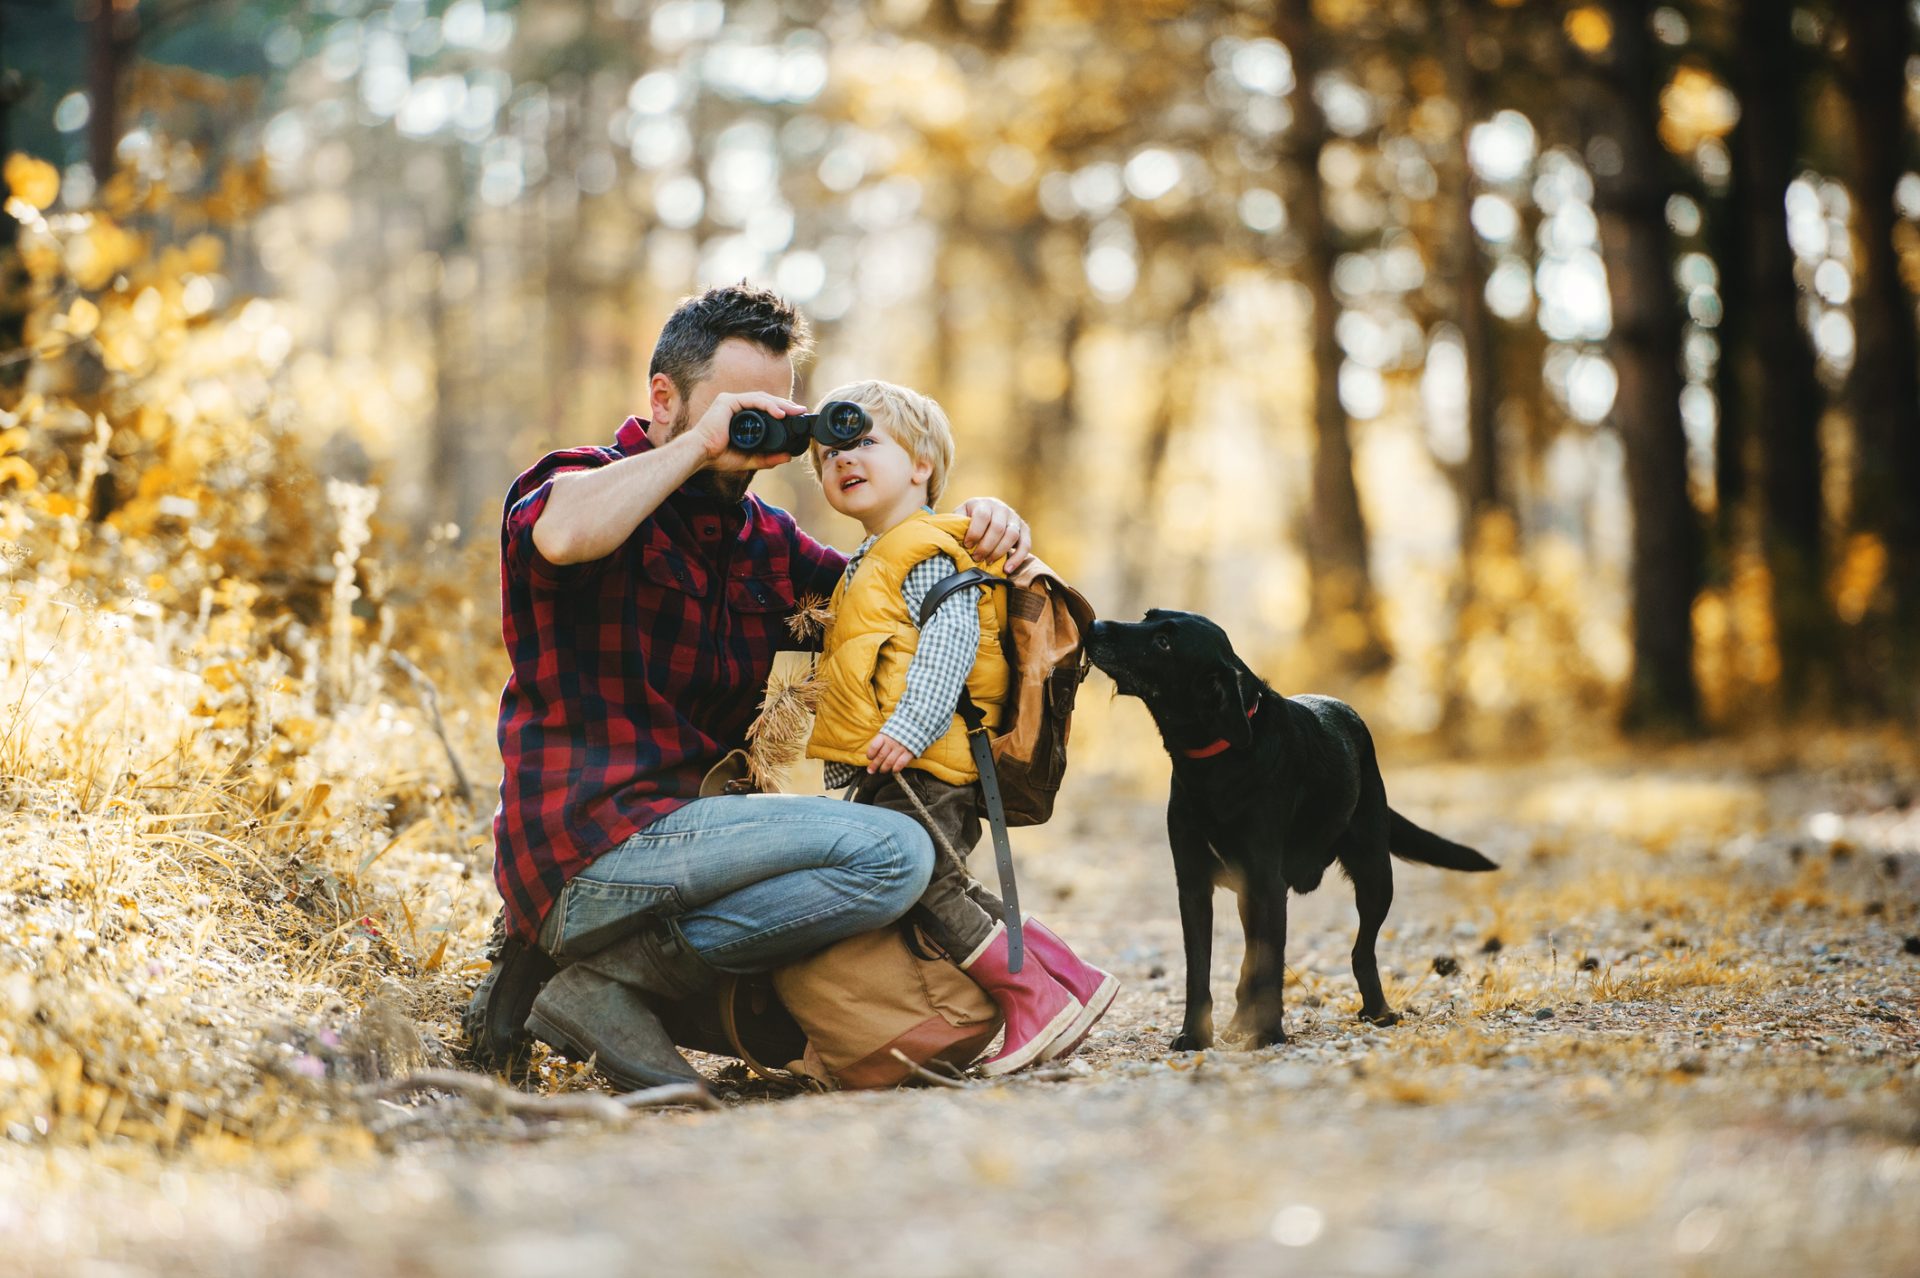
[(886, 723)]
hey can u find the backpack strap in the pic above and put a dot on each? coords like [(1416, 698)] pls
[(937, 595), (982, 750), (731, 990)]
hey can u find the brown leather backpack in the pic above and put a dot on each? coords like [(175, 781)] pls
[(1047, 623)]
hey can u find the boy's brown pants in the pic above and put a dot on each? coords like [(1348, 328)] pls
[(956, 912)]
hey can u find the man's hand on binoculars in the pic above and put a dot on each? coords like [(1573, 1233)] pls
[(711, 430)]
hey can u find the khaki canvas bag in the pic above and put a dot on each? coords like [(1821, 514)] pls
[(857, 1001), (863, 999)]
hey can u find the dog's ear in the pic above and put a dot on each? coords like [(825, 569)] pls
[(1231, 696)]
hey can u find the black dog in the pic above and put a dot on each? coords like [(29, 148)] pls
[(1268, 791)]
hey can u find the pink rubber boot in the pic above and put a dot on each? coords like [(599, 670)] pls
[(1037, 1008), (1093, 987)]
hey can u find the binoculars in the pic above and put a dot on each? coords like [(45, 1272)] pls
[(837, 424)]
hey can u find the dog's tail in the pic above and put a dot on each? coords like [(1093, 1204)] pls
[(1411, 843)]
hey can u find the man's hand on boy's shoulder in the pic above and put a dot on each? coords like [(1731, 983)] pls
[(996, 529), (1030, 571), (884, 754)]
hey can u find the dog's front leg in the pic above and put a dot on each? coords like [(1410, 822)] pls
[(1267, 942), (1195, 878)]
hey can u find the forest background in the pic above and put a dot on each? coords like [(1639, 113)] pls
[(1548, 361), (1541, 376)]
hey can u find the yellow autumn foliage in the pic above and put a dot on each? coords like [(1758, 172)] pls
[(1589, 27), (1695, 107), (235, 829), (31, 180)]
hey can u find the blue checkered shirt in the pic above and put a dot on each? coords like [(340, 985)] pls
[(939, 667)]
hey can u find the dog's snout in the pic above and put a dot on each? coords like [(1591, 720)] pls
[(1099, 643), (1106, 647)]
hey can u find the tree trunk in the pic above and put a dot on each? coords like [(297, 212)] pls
[(1727, 236), (1480, 486), (1478, 478), (11, 88), (1053, 424), (452, 494), (1343, 607), (111, 29), (995, 33), (1054, 319), (14, 290), (1885, 395), (1780, 397), (1177, 387), (1733, 376), (1630, 196)]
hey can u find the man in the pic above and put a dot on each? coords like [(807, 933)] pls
[(644, 594)]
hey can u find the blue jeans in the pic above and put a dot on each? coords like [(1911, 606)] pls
[(752, 880)]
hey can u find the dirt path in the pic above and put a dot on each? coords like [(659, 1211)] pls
[(1681, 1036)]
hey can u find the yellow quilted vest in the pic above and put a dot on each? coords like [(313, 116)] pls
[(865, 653)]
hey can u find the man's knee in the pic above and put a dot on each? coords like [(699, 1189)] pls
[(897, 857)]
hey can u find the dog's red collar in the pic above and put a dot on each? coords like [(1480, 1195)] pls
[(1215, 747)]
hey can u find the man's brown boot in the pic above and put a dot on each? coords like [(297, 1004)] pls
[(601, 1007)]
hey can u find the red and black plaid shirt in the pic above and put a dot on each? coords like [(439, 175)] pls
[(634, 673)]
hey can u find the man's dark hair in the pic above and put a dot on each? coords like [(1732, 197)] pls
[(700, 323)]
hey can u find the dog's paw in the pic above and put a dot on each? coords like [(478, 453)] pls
[(1382, 1018), (1187, 1041)]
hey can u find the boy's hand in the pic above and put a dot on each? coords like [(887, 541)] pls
[(886, 754), (996, 530)]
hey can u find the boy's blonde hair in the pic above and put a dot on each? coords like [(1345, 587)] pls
[(914, 421)]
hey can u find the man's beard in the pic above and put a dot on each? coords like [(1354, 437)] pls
[(727, 486)]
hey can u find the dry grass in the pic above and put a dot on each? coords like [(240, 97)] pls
[(213, 859), (1717, 968)]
